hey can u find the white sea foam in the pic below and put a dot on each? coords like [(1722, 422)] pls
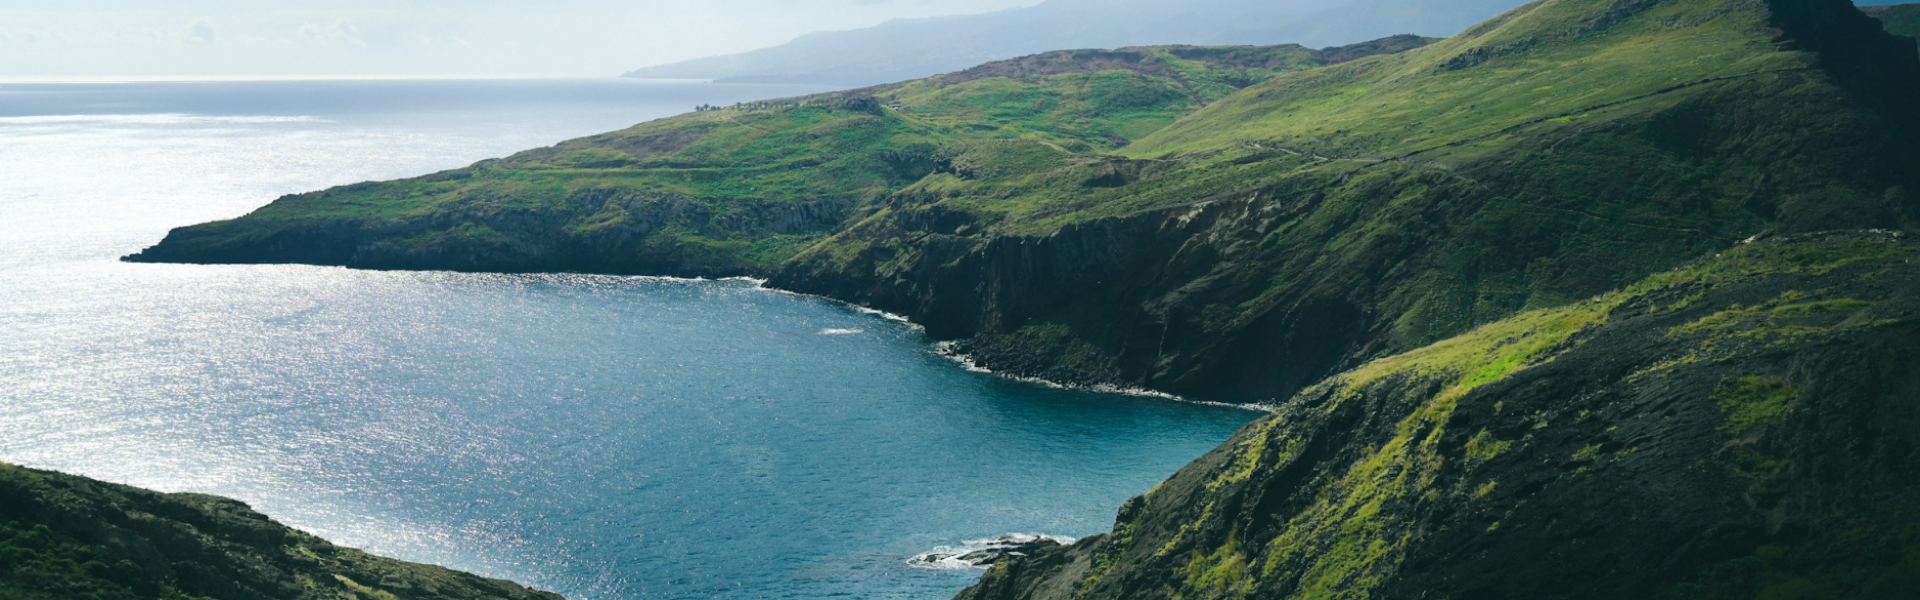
[(762, 283), (948, 558), (884, 314), (951, 351)]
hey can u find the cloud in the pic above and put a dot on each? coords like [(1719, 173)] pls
[(333, 32), (200, 32)]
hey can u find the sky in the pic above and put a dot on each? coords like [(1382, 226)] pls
[(186, 39)]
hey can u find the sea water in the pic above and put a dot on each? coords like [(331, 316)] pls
[(602, 437)]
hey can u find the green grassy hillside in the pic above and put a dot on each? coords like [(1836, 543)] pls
[(741, 189), (1741, 427), (1324, 216), (70, 538), (1234, 223)]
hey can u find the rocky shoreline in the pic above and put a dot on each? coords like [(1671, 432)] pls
[(988, 552)]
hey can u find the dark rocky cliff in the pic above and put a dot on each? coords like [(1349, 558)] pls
[(70, 538), (1744, 427)]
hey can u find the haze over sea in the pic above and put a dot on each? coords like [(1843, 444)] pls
[(603, 437)]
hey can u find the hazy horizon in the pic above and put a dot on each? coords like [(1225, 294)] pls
[(123, 40)]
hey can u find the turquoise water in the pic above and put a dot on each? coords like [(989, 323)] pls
[(603, 437)]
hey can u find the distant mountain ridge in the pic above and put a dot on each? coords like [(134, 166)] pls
[(910, 49)]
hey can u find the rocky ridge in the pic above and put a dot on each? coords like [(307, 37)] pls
[(64, 537)]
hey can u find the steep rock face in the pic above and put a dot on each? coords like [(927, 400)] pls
[(70, 538), (1744, 427)]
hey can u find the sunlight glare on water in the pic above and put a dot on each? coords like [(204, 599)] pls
[(603, 437)]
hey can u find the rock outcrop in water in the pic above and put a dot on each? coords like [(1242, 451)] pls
[(70, 538), (986, 553)]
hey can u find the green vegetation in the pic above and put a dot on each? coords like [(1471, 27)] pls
[(1753, 401), (742, 189), (34, 564), (1223, 574), (1497, 79), (1484, 446), (1360, 523)]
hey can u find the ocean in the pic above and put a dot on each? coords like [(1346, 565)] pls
[(602, 437)]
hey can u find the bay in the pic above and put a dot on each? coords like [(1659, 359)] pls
[(603, 437)]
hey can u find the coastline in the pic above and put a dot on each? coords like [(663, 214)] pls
[(947, 349)]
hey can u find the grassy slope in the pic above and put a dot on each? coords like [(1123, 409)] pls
[(742, 189), (70, 538), (1680, 438), (1567, 148)]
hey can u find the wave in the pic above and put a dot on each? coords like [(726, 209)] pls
[(841, 331), (951, 351), (150, 119), (884, 314), (980, 554), (948, 349), (897, 318)]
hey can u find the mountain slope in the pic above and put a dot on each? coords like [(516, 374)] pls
[(1900, 19), (912, 49), (1743, 427), (742, 189), (1241, 251), (70, 538), (1326, 216)]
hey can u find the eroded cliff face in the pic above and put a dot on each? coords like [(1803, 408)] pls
[(1743, 427), (1121, 301)]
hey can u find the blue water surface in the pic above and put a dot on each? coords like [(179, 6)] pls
[(603, 437)]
